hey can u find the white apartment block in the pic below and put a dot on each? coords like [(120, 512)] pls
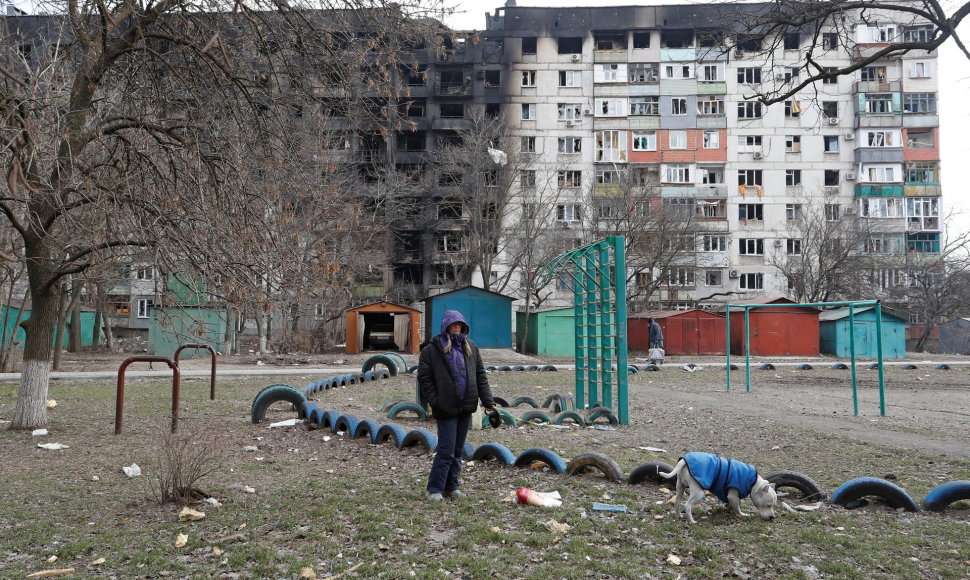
[(601, 94)]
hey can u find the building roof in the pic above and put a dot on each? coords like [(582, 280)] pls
[(383, 306), (509, 298), (670, 313), (840, 313)]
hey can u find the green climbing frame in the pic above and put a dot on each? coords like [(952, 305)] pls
[(597, 273)]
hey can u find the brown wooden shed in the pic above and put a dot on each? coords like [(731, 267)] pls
[(383, 326), (687, 332), (778, 331)]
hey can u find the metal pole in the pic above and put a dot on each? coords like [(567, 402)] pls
[(727, 343), (747, 349), (619, 274), (855, 387), (882, 391)]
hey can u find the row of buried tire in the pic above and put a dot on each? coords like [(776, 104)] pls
[(560, 406), (849, 494), (842, 366)]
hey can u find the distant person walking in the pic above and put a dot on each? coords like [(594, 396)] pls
[(452, 382), (656, 335)]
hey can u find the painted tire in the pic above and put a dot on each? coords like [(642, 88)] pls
[(860, 487), (420, 437), (391, 402), (651, 368), (412, 369), (567, 401), (506, 417), (549, 368), (366, 428), (467, 451), (804, 367), (941, 497), (339, 381), (767, 367), (500, 402), (536, 416), (650, 472), (380, 359), (490, 367), (263, 390), (525, 400), (733, 366), (840, 366), (402, 365), (384, 374), (942, 367), (405, 407), (353, 379), (518, 368), (601, 414), (392, 432), (810, 490), (314, 417), (604, 463), (632, 369), (554, 403), (328, 419), (503, 368), (910, 367), (345, 423), (872, 366), (532, 367), (493, 451), (570, 416), (275, 394), (369, 376), (542, 454)]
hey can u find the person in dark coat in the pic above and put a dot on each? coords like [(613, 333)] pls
[(656, 335), (452, 380)]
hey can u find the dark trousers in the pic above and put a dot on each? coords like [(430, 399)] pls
[(447, 461)]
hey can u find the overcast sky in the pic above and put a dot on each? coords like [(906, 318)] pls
[(954, 97)]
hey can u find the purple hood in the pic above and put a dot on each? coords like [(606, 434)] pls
[(450, 317)]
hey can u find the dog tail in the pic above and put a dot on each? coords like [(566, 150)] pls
[(672, 474)]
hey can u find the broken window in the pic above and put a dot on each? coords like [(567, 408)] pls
[(570, 44)]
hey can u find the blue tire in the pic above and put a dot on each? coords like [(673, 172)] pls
[(390, 432), (275, 394), (910, 367), (549, 368), (941, 497), (407, 407), (391, 402), (328, 419), (804, 367), (421, 437), (840, 366), (315, 417), (602, 414), (651, 368), (570, 416), (525, 400), (263, 390), (518, 368), (547, 456), (942, 367), (503, 368), (493, 451), (860, 487), (872, 366), (767, 367), (366, 428), (467, 451), (345, 423), (380, 359), (536, 416), (632, 369)]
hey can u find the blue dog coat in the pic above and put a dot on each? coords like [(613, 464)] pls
[(718, 474)]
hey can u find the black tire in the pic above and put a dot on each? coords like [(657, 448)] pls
[(570, 416), (493, 451), (651, 368), (380, 359), (489, 367), (535, 415), (345, 423), (424, 437), (872, 366), (391, 402), (910, 367), (412, 369), (532, 367), (840, 366), (500, 402), (547, 456), (942, 496), (392, 432), (734, 367), (604, 463), (942, 367), (549, 368), (767, 367), (366, 428), (526, 400), (650, 472), (503, 368), (518, 368), (860, 487), (602, 414), (405, 407), (275, 394), (804, 367), (810, 491)]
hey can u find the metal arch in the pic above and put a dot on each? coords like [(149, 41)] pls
[(598, 273)]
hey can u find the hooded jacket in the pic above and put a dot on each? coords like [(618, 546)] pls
[(436, 372), (718, 474)]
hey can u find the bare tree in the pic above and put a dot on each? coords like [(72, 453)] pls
[(116, 118), (859, 27)]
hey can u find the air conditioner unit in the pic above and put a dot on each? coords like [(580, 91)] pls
[(588, 112), (569, 123), (564, 225), (779, 77), (833, 121), (849, 136), (732, 274), (848, 211), (850, 176), (577, 57), (757, 155), (738, 52), (777, 243)]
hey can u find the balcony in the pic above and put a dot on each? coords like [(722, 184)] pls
[(453, 89), (881, 86), (883, 190), (922, 190), (879, 155), (711, 87), (610, 56), (607, 190)]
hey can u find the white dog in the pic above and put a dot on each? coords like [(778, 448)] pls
[(728, 479)]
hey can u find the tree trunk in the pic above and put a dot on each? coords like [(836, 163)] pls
[(74, 330), (62, 306), (30, 409)]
